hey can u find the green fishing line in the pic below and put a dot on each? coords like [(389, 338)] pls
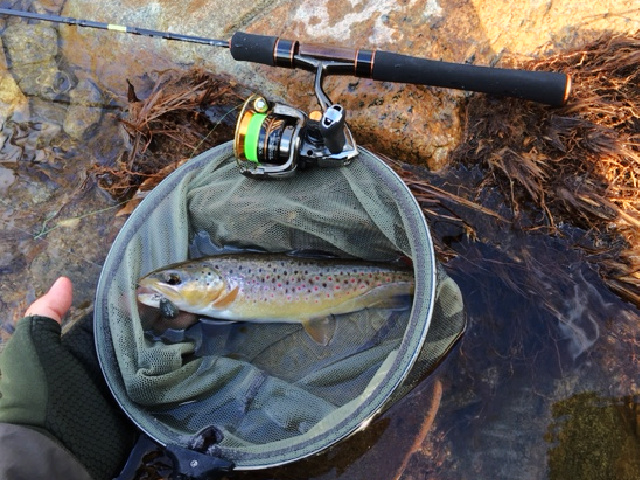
[(251, 138)]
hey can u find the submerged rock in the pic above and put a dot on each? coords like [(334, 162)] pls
[(594, 437), (7, 177), (85, 110)]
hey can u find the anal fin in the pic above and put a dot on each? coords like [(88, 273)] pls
[(321, 330)]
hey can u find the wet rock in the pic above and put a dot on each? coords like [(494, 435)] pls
[(600, 432), (537, 24), (85, 111), (37, 192), (9, 152), (7, 177), (48, 6), (11, 97), (11, 260), (32, 50), (26, 137)]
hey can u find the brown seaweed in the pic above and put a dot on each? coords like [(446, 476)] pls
[(167, 128), (576, 166)]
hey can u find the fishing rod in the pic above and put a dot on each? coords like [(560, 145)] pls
[(273, 140)]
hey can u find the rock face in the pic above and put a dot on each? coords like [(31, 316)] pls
[(85, 110), (11, 97), (416, 124), (32, 51)]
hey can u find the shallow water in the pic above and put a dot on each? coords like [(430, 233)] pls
[(543, 385)]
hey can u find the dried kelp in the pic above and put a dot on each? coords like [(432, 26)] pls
[(172, 124), (576, 166)]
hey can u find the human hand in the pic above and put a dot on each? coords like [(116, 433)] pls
[(53, 383), (55, 303)]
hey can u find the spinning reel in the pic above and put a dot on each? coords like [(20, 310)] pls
[(275, 140)]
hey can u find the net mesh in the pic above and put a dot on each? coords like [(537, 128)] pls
[(272, 392)]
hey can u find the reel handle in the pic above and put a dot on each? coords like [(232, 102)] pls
[(551, 88)]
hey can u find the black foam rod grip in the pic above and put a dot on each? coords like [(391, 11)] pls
[(248, 47), (551, 88)]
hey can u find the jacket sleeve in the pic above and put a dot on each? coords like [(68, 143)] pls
[(27, 454)]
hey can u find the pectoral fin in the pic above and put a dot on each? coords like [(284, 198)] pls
[(321, 330)]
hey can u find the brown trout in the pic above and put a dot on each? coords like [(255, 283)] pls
[(278, 288)]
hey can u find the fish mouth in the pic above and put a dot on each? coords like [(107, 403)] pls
[(144, 287), (148, 295)]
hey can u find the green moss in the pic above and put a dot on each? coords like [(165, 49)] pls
[(595, 438)]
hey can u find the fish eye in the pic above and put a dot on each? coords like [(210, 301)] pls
[(172, 279)]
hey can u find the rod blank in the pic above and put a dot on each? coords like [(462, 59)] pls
[(117, 28)]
